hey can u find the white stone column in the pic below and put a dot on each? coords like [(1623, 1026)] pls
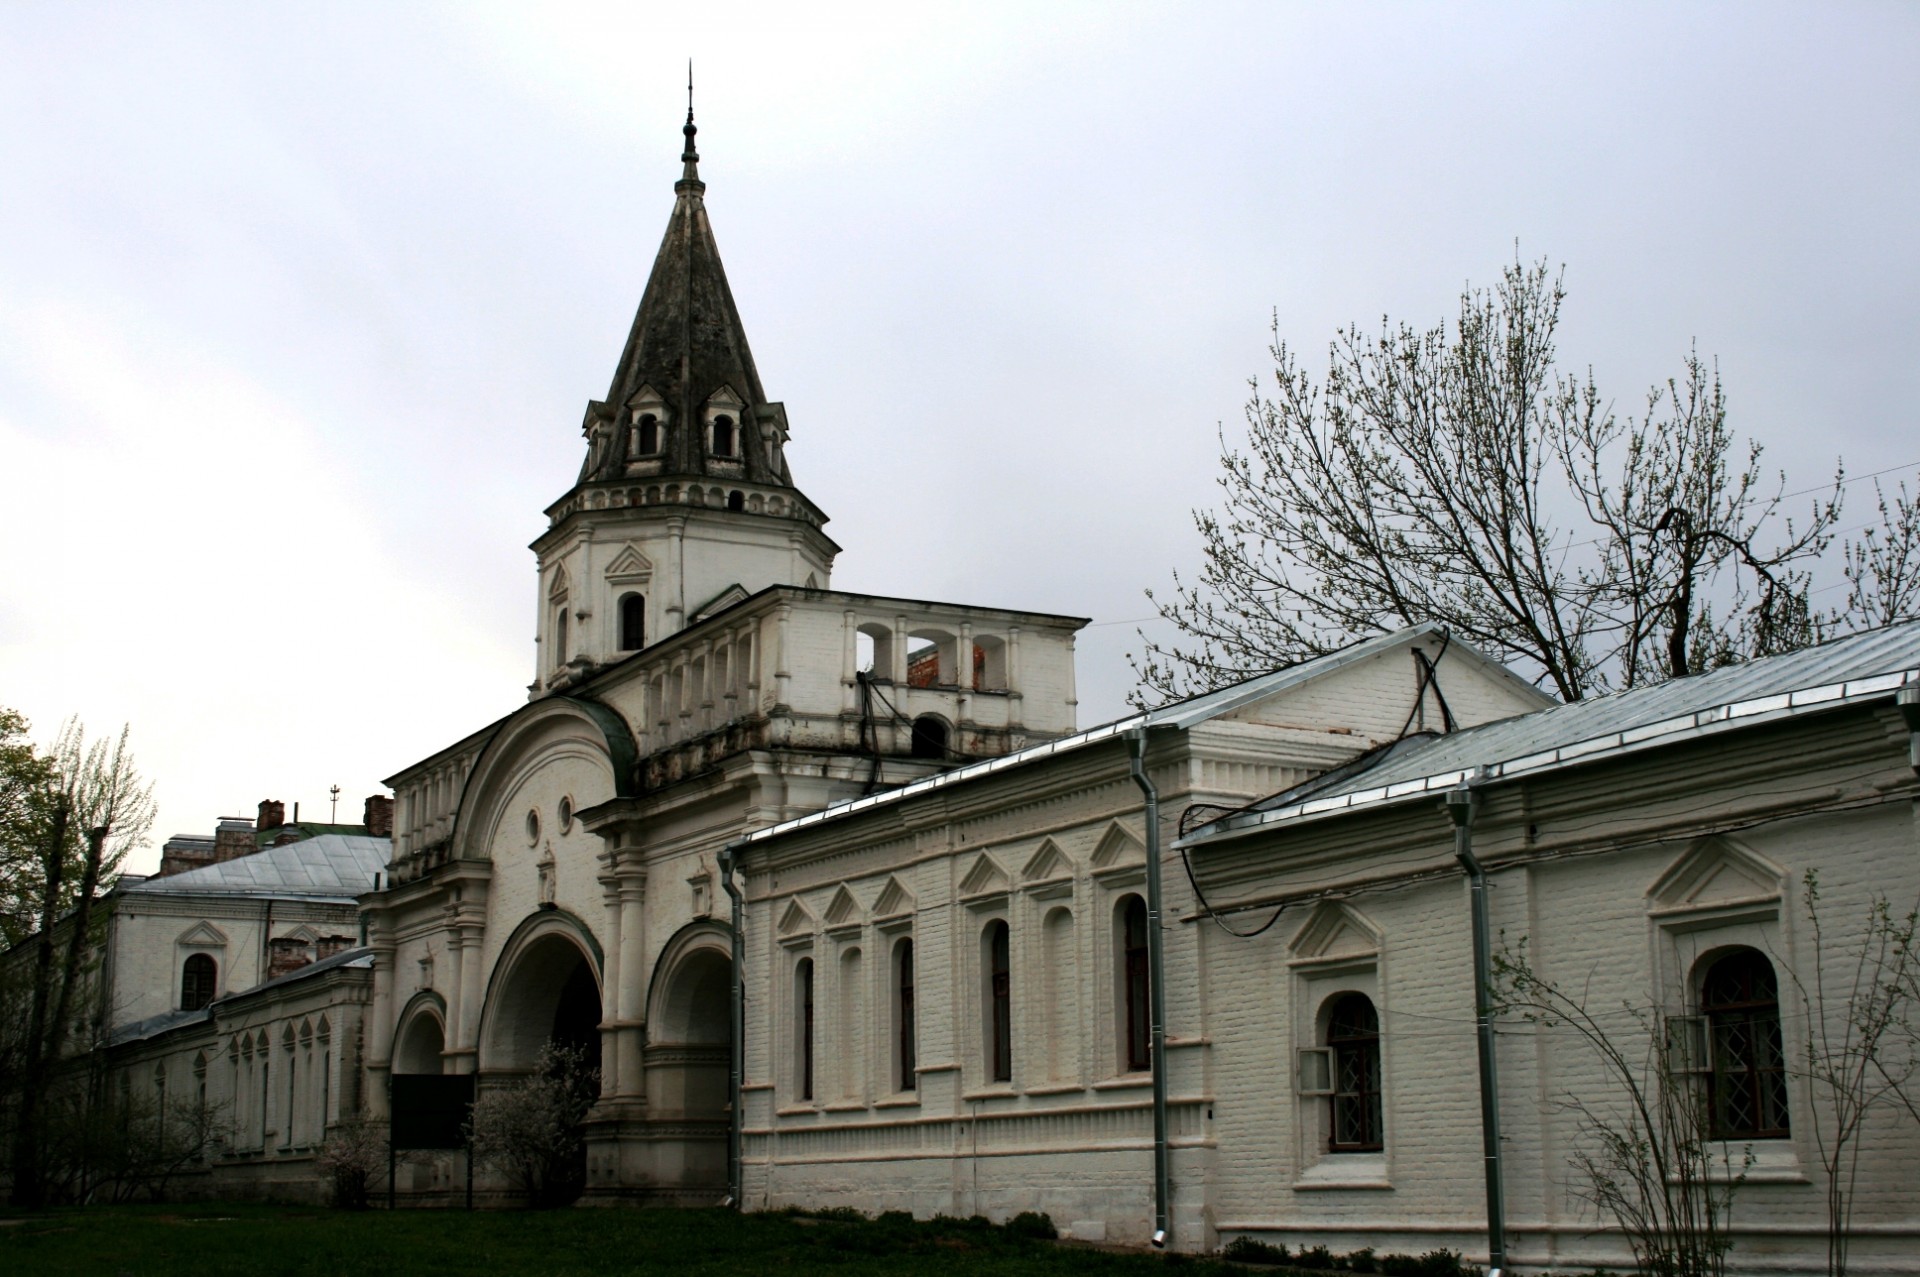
[(611, 1080), (380, 1022), (631, 976)]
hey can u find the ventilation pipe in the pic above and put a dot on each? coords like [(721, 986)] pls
[(737, 1021), (1461, 802), (1156, 986)]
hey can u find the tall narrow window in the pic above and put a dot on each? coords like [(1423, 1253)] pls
[(1741, 1000), (1000, 1003), (803, 1026), (723, 436), (1137, 1048), (903, 1027), (633, 622), (196, 982), (560, 636), (647, 435), (1353, 1038)]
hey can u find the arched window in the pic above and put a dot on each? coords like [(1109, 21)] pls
[(1353, 1039), (723, 436), (803, 1026), (903, 1028), (736, 500), (1136, 1048), (999, 991), (929, 737), (1741, 1001), (633, 622), (196, 981), (560, 636), (646, 435)]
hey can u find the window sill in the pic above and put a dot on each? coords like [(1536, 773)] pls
[(903, 1101), (1774, 1162), (1363, 1172), (797, 1110), (844, 1106), (1056, 1088), (1002, 1092), (1125, 1082)]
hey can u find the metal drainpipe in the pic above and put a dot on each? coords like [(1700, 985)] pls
[(1156, 988), (1460, 805), (737, 1049)]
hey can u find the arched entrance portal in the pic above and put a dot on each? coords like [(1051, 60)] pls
[(421, 1041), (688, 1054)]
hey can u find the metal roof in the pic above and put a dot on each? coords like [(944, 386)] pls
[(1861, 666), (340, 866), (1181, 714)]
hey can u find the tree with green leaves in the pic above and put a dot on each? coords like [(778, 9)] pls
[(1457, 475)]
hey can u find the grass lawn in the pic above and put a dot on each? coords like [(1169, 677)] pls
[(281, 1241)]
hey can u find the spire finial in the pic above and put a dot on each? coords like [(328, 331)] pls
[(691, 156)]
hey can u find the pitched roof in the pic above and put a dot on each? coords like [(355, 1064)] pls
[(331, 866), (1180, 714), (686, 344), (1865, 666)]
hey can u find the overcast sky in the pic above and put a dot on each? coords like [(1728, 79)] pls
[(300, 305)]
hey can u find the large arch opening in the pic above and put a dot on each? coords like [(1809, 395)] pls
[(546, 990)]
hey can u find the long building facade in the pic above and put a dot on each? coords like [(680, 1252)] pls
[(1204, 973)]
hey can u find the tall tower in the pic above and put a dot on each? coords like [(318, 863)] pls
[(684, 504)]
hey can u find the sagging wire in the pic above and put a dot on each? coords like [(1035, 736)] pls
[(1187, 864)]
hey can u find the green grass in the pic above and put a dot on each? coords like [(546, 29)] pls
[(203, 1239)]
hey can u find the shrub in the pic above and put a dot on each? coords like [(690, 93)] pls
[(531, 1129), (1245, 1250), (1036, 1224), (353, 1155), (1318, 1259)]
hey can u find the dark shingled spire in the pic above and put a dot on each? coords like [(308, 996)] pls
[(688, 347)]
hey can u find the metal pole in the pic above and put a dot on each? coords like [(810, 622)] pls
[(1156, 990), (1460, 806)]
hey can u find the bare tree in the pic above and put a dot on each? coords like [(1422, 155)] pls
[(1459, 477), (91, 806), (531, 1128)]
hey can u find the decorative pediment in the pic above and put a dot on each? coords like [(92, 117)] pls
[(1717, 871), (1047, 864), (202, 935), (557, 587), (796, 920), (629, 566), (843, 909), (1332, 931), (721, 602), (646, 398), (725, 397), (303, 933), (1119, 848), (984, 877), (895, 900)]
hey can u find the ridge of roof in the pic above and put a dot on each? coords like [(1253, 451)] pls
[(1865, 666)]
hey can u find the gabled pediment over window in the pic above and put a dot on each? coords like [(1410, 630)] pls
[(1717, 871), (894, 900), (647, 399), (557, 587), (843, 908), (629, 567), (1119, 847), (721, 602), (795, 920), (1047, 864), (202, 935), (984, 877), (1332, 931)]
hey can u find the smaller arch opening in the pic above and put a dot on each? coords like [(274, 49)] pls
[(723, 436), (929, 737), (736, 500)]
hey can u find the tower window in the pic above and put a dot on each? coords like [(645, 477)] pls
[(646, 435), (196, 982), (723, 436), (633, 622), (560, 636), (736, 500)]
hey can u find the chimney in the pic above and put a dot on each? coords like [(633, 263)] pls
[(183, 852), (273, 814), (232, 838), (377, 816)]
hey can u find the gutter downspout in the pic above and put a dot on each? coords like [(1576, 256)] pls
[(1156, 987), (737, 1015), (1461, 802)]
